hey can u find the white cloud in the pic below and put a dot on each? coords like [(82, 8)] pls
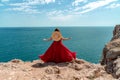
[(32, 2), (77, 2), (31, 11), (114, 5), (93, 5), (61, 18), (27, 9), (26, 6), (18, 4), (55, 13), (4, 0), (49, 1), (77, 8), (19, 8), (36, 2), (58, 15)]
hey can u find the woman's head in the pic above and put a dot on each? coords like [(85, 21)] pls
[(57, 30)]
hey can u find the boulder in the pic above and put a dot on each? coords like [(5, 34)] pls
[(108, 48), (117, 67), (116, 32), (111, 54)]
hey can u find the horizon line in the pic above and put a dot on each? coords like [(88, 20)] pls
[(56, 26)]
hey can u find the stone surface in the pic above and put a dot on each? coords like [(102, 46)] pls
[(111, 54), (37, 70), (116, 32)]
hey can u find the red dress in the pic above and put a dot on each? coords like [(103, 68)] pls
[(57, 53)]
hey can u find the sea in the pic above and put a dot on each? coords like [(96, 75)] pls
[(26, 43)]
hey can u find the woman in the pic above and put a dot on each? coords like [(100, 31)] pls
[(57, 52)]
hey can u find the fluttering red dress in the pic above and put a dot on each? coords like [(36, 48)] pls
[(57, 53)]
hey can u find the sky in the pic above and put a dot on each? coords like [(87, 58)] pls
[(39, 13)]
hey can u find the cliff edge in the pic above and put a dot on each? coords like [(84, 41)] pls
[(111, 54), (37, 70)]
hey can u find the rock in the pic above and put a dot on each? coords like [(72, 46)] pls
[(79, 61), (97, 73), (49, 70), (52, 70), (81, 70), (116, 32), (117, 68), (16, 61), (113, 44), (75, 66), (111, 53), (56, 70), (59, 76), (118, 73), (45, 78), (76, 78)]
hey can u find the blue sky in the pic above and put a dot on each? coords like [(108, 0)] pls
[(30, 13)]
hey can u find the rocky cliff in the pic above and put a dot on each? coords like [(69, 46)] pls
[(37, 70), (111, 54)]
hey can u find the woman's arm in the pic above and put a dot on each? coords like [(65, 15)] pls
[(47, 39), (66, 38)]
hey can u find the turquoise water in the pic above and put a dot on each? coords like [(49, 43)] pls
[(27, 43)]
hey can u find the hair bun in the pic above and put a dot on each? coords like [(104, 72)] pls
[(56, 36)]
